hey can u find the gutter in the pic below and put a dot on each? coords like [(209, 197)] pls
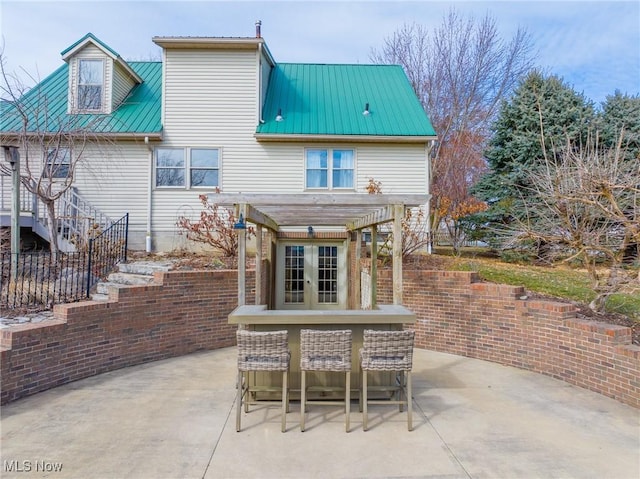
[(83, 134), (344, 138)]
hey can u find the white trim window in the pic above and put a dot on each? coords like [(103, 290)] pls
[(199, 166), (90, 85), (57, 163), (329, 168), (204, 167)]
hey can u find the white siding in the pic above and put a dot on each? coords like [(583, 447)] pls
[(280, 167), (211, 97), (122, 85), (400, 168), (264, 80), (211, 101), (115, 179)]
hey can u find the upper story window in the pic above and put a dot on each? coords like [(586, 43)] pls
[(57, 163), (199, 166), (90, 84), (329, 168)]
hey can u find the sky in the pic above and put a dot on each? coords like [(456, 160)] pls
[(593, 46)]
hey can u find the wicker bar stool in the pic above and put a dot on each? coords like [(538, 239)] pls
[(262, 351), (322, 350), (387, 351)]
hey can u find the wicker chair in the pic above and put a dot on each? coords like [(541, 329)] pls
[(261, 351), (388, 351), (325, 351)]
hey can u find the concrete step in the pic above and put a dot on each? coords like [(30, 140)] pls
[(136, 273), (130, 278), (103, 287), (145, 267), (99, 297)]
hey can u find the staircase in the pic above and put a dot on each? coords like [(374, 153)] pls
[(78, 219), (135, 273)]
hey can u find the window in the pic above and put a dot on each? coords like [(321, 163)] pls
[(90, 84), (169, 167), (203, 167), (58, 164), (294, 274), (330, 169)]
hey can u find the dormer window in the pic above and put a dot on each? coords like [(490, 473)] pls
[(90, 84), (99, 79)]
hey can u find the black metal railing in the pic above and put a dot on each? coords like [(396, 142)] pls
[(38, 280), (107, 249)]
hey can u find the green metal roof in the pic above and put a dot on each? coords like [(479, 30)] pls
[(46, 104), (319, 99)]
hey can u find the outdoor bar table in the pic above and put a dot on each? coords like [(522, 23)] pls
[(259, 318)]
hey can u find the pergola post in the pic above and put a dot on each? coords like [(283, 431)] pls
[(258, 299), (398, 214), (358, 271), (374, 266), (241, 229)]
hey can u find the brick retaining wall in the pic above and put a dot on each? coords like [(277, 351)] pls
[(187, 311), (459, 314), (184, 312)]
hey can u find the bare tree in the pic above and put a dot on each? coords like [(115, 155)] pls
[(583, 205), (215, 227), (414, 226), (460, 72), (52, 144), (452, 189)]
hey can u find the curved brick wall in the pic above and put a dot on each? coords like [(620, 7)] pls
[(458, 314), (187, 311)]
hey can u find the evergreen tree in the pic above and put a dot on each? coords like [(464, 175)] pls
[(621, 115), (541, 118)]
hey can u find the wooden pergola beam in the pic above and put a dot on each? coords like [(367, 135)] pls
[(257, 217), (383, 215), (286, 199)]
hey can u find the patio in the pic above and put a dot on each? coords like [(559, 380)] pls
[(175, 419)]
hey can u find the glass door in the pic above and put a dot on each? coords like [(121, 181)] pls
[(311, 276)]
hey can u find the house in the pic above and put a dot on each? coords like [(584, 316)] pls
[(223, 114)]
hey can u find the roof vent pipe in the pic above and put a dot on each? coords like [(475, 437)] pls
[(258, 25)]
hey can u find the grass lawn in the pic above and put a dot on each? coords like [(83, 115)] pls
[(558, 281)]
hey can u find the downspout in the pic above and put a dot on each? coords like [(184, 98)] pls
[(149, 196)]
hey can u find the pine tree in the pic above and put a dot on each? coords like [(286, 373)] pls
[(541, 118), (621, 115)]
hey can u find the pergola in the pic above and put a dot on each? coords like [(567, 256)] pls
[(350, 212)]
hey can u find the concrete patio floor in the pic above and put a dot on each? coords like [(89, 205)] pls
[(176, 419)]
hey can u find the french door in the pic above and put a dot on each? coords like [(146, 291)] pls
[(311, 276)]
